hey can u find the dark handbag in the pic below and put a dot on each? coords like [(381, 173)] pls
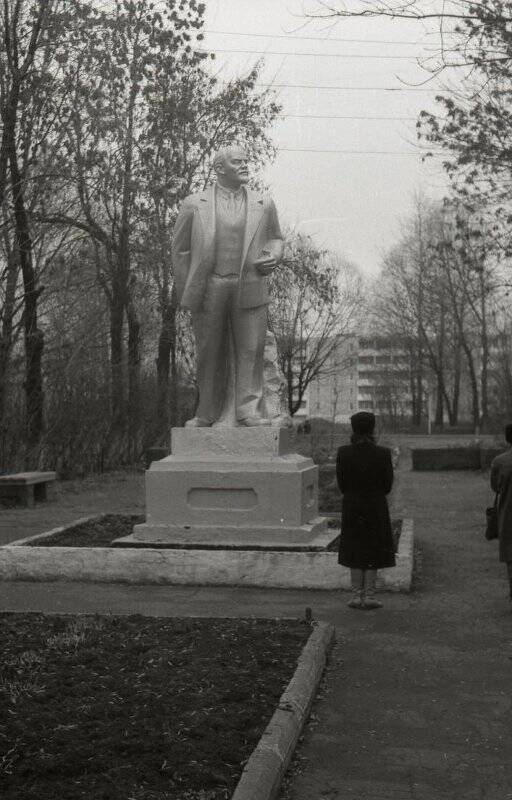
[(491, 513)]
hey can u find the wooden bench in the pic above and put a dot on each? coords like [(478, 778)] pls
[(27, 487)]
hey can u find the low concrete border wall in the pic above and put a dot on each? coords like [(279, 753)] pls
[(265, 769), (445, 458), (276, 569), (487, 454), (432, 459)]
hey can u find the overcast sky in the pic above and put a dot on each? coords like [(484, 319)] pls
[(351, 201)]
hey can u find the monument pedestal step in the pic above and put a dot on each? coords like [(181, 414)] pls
[(313, 537)]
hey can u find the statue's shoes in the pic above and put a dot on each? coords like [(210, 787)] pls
[(254, 422), (197, 422), (223, 423)]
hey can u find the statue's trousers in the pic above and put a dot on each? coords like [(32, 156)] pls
[(218, 319)]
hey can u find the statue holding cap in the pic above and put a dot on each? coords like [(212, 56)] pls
[(226, 241)]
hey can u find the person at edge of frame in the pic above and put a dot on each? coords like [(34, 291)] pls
[(364, 473), (501, 482)]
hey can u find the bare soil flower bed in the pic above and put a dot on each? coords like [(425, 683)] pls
[(136, 708), (101, 532)]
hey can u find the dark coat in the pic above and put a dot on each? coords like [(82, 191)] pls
[(501, 481), (365, 476)]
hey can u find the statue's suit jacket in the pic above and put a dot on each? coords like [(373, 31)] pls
[(193, 248)]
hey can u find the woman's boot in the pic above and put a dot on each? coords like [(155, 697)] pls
[(357, 580), (369, 599)]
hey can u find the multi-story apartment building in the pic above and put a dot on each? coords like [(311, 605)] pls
[(365, 373)]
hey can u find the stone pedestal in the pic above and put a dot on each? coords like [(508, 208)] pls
[(232, 488)]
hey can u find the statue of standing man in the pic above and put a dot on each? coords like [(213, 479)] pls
[(226, 241)]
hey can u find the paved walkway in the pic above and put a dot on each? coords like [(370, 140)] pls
[(417, 700)]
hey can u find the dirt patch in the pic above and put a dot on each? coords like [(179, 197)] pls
[(110, 708), (99, 532)]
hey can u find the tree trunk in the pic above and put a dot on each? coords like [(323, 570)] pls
[(475, 404), (121, 298), (484, 394), (441, 387), (289, 385), (439, 418), (457, 372), (173, 389), (34, 338), (419, 385), (116, 360), (7, 322), (134, 399), (420, 331), (166, 369), (415, 413)]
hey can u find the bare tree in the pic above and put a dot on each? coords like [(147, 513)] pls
[(32, 34), (315, 298)]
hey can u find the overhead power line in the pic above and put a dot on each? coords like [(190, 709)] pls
[(358, 152), (306, 55), (311, 38), (347, 88), (342, 116)]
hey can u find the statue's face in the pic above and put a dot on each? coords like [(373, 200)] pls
[(234, 170)]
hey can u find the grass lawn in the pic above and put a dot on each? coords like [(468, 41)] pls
[(136, 708)]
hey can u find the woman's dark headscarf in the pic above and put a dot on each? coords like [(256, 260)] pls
[(363, 425)]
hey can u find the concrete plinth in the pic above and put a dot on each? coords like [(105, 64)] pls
[(230, 487), (245, 442), (303, 568)]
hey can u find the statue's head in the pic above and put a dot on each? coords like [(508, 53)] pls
[(231, 166)]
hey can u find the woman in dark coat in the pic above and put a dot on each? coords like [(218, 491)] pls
[(501, 482), (365, 476)]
